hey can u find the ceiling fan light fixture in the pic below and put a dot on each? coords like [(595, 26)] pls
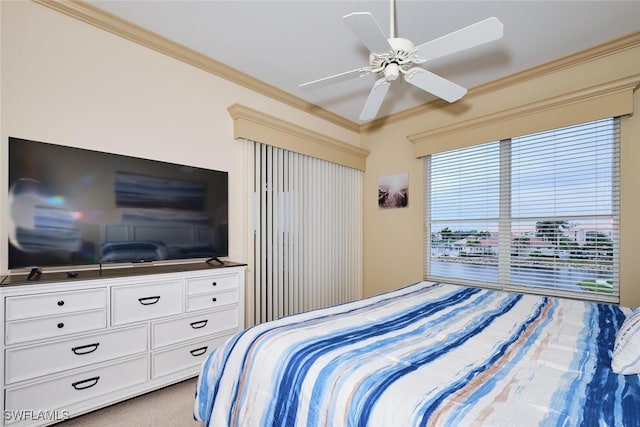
[(391, 72)]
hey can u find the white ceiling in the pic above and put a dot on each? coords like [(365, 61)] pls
[(286, 43)]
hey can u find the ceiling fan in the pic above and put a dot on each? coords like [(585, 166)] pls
[(393, 57)]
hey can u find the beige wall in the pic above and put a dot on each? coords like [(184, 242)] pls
[(630, 207), (67, 82), (393, 238), (394, 252)]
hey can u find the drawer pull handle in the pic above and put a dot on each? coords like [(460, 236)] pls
[(85, 384), (214, 284), (214, 299), (60, 303), (149, 300), (85, 349), (198, 351), (199, 324), (60, 325)]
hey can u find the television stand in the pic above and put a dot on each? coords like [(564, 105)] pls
[(34, 273), (99, 340), (216, 259)]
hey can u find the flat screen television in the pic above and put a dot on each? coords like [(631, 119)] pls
[(70, 206)]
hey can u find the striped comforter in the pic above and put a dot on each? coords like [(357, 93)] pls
[(428, 354)]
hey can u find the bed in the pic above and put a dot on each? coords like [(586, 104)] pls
[(429, 354)]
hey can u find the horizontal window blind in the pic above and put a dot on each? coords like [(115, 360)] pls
[(465, 205), (538, 212)]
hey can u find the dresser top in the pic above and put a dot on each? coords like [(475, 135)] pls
[(107, 273)]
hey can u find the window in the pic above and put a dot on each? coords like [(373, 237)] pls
[(536, 213)]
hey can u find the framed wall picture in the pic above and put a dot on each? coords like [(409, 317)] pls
[(393, 191)]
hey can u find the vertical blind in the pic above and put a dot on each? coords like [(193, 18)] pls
[(538, 212), (307, 233)]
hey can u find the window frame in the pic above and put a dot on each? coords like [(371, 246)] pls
[(505, 221)]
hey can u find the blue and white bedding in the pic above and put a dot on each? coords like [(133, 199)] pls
[(428, 354)]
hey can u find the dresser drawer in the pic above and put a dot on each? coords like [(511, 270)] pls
[(188, 356), (203, 285), (206, 301), (23, 307), (192, 327), (143, 302), (54, 326), (59, 393), (30, 362)]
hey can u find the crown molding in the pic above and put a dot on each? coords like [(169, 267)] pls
[(99, 18)]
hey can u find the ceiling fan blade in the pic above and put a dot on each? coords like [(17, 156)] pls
[(366, 28), (434, 84), (374, 100), (347, 75), (474, 35)]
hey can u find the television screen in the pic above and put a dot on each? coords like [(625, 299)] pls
[(71, 206)]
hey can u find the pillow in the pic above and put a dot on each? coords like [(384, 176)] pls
[(626, 350)]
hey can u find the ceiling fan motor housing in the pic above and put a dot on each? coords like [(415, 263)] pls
[(391, 64)]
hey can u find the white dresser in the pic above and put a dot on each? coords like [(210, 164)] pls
[(72, 345)]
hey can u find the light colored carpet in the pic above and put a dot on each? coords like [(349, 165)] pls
[(171, 406)]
